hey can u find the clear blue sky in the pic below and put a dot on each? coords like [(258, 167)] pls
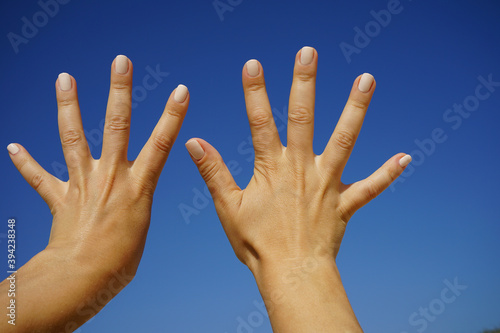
[(441, 223)]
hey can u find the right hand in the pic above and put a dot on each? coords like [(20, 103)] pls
[(295, 205)]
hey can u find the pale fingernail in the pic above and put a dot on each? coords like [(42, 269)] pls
[(121, 64), (366, 82), (405, 160), (306, 55), (181, 93), (253, 68), (195, 149), (64, 81), (13, 149)]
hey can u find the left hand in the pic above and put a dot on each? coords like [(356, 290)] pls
[(102, 213)]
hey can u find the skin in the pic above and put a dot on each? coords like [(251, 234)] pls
[(288, 223), (101, 215)]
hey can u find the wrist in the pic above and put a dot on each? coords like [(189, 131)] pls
[(283, 262), (280, 280), (297, 290), (91, 284), (96, 262), (287, 273), (72, 291)]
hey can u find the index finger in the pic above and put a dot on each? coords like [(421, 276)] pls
[(153, 155), (341, 143)]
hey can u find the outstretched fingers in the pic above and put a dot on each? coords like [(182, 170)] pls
[(214, 172), (358, 194), (75, 148), (341, 143), (153, 155), (265, 137), (300, 130), (49, 187), (118, 112)]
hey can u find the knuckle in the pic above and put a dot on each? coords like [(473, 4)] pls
[(371, 189), (209, 170), (22, 164), (121, 85), (118, 123), (65, 102), (71, 137), (344, 139), (305, 76), (36, 181), (300, 115), (162, 143), (358, 104), (176, 112), (255, 85), (260, 118)]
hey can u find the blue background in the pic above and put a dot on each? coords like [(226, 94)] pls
[(441, 223)]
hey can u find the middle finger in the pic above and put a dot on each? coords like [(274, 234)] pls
[(301, 104), (118, 112)]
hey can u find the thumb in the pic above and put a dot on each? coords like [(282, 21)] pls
[(360, 193), (214, 171)]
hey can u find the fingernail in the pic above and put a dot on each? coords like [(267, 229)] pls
[(306, 55), (181, 93), (405, 160), (366, 82), (195, 149), (253, 68), (121, 64), (13, 149), (64, 81)]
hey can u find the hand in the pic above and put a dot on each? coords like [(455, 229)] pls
[(295, 207), (101, 214)]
